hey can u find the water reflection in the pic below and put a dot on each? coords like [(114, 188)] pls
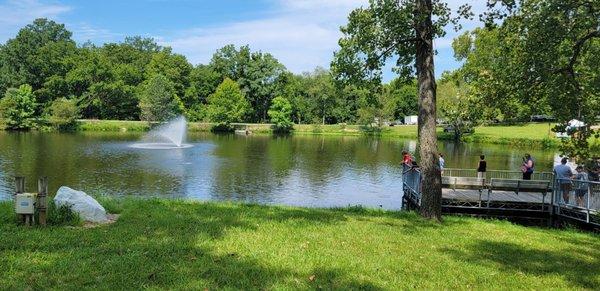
[(301, 170)]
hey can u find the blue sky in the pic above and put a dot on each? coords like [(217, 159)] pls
[(302, 34)]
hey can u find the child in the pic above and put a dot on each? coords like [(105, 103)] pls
[(442, 163), (481, 168), (407, 159), (582, 186)]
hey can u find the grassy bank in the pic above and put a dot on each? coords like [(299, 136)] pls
[(183, 245), (531, 135)]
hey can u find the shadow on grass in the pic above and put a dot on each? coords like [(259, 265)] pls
[(578, 264), (161, 244)]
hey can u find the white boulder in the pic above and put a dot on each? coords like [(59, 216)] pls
[(87, 207)]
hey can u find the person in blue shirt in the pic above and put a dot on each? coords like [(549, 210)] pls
[(563, 176), (442, 163)]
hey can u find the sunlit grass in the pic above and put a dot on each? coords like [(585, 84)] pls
[(527, 131), (184, 245)]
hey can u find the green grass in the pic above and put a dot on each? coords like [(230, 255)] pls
[(529, 134), (161, 244)]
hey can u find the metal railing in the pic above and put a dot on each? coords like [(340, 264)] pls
[(411, 181), (574, 199), (498, 174), (577, 199)]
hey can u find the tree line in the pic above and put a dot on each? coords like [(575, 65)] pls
[(44, 74)]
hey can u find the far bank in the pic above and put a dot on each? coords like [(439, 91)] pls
[(528, 135), (535, 135)]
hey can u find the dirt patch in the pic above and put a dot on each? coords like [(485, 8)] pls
[(112, 218)]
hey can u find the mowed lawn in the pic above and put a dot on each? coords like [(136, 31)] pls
[(534, 131), (161, 244)]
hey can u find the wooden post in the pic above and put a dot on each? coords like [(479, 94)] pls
[(42, 200), (19, 188), (19, 185)]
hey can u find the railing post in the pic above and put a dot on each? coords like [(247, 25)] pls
[(42, 199), (589, 193), (19, 185), (19, 188)]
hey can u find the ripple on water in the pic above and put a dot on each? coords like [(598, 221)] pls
[(159, 146)]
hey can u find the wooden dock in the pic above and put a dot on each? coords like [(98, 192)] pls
[(509, 198)]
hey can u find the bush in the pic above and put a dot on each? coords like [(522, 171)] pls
[(63, 114), (62, 215), (281, 114), (18, 107)]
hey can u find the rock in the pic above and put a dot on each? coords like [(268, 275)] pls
[(87, 207)]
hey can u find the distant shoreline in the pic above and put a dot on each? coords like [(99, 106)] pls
[(532, 135)]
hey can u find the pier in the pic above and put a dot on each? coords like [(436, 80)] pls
[(503, 194)]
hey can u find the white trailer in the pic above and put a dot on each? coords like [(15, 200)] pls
[(412, 119)]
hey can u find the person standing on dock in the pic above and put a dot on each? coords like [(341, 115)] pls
[(482, 167), (582, 186), (442, 164), (563, 176), (527, 167)]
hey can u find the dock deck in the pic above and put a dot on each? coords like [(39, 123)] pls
[(510, 197)]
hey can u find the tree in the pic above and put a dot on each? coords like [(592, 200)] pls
[(458, 107), (173, 66), (17, 108), (405, 97), (203, 82), (255, 72), (281, 114), (63, 113), (158, 101), (227, 105), (405, 30), (35, 55), (375, 108), (323, 96), (543, 57)]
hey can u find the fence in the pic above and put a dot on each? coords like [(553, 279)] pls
[(578, 199), (498, 174), (411, 180)]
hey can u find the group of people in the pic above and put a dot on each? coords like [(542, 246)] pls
[(567, 180)]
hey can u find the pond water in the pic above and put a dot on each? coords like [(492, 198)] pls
[(299, 170)]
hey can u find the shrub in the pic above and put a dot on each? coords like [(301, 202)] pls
[(62, 215), (63, 114), (18, 107)]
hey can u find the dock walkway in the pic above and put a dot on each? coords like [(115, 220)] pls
[(504, 194)]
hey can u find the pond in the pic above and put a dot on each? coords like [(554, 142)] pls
[(319, 171)]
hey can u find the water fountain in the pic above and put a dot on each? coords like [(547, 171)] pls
[(170, 135)]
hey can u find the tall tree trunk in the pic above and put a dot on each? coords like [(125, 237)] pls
[(431, 203)]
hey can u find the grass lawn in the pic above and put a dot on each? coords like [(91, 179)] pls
[(535, 131), (163, 244)]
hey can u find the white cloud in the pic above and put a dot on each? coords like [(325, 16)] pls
[(83, 32), (15, 14), (302, 34)]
